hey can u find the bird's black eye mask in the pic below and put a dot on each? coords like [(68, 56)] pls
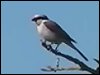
[(43, 18)]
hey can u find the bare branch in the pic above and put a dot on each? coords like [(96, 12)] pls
[(55, 69), (82, 65)]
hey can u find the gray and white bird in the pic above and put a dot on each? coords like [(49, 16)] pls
[(50, 31)]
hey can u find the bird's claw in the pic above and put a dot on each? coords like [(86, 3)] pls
[(48, 47)]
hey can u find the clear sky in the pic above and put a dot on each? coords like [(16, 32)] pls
[(21, 50)]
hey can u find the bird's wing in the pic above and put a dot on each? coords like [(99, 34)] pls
[(54, 27)]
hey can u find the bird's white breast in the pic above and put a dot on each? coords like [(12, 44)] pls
[(45, 33)]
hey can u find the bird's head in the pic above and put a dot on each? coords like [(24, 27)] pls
[(38, 19)]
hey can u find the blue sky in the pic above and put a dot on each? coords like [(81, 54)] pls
[(21, 50)]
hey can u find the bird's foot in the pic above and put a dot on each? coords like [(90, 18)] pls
[(48, 47)]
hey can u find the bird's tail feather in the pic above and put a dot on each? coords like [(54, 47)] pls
[(72, 46), (73, 40)]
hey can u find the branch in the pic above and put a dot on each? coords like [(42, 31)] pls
[(55, 69), (82, 65)]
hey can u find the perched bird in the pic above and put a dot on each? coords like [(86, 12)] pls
[(52, 32)]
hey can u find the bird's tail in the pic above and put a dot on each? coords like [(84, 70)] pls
[(72, 46)]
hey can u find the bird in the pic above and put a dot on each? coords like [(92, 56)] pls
[(52, 32)]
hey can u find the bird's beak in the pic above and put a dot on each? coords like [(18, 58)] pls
[(33, 19)]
